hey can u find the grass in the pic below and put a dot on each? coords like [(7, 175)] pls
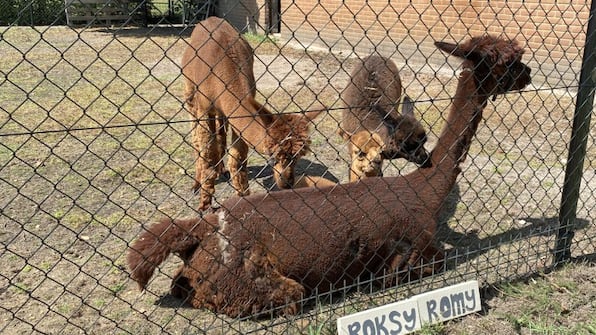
[(536, 297), (432, 329), (76, 219), (548, 304), (259, 39), (321, 329), (99, 303), (20, 287), (45, 266), (118, 287)]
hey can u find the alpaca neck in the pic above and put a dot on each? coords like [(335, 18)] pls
[(459, 129), (251, 121)]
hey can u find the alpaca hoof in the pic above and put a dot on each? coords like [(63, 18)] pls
[(243, 193), (223, 175), (209, 210), (205, 208), (196, 188), (290, 309), (289, 294)]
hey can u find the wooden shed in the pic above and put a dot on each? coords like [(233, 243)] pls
[(104, 12)]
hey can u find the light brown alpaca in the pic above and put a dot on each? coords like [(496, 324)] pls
[(370, 103), (366, 155), (313, 181), (366, 148), (219, 90), (270, 250)]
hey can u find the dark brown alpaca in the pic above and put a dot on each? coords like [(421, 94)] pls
[(270, 250), (370, 104), (219, 90)]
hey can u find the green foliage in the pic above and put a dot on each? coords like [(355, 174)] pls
[(432, 329), (257, 39), (32, 12)]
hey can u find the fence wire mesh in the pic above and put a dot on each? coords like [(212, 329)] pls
[(96, 142)]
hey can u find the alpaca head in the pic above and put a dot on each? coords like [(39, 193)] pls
[(292, 141), (408, 138), (495, 62), (366, 148)]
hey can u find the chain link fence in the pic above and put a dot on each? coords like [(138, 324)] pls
[(95, 142)]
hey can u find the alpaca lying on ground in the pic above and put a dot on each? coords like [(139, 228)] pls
[(220, 89), (270, 250), (370, 103)]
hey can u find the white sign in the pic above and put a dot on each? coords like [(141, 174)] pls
[(449, 302), (397, 318), (404, 317)]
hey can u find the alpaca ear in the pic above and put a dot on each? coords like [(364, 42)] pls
[(449, 48), (407, 109), (343, 134), (377, 138), (457, 51)]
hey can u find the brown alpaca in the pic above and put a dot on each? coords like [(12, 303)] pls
[(370, 103), (270, 250), (219, 91)]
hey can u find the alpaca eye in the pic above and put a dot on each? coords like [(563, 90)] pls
[(361, 154)]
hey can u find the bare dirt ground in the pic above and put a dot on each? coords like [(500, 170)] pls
[(95, 143)]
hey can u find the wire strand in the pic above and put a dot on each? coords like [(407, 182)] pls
[(168, 123)]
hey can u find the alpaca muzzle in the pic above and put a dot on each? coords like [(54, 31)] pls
[(516, 78), (418, 154), (421, 157)]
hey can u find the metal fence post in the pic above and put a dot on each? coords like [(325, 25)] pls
[(577, 146)]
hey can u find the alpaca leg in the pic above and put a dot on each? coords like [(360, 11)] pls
[(411, 265), (181, 288), (221, 140), (355, 172), (205, 294), (287, 293), (189, 95), (207, 158), (198, 135), (203, 272), (270, 287), (240, 283), (258, 295), (397, 264), (428, 261), (237, 164)]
